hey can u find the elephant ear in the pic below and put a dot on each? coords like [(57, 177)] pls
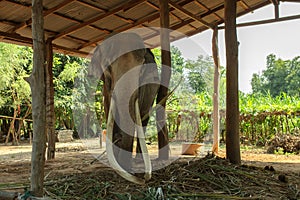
[(100, 64), (149, 72), (95, 68)]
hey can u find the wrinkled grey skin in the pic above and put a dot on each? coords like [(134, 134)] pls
[(111, 61)]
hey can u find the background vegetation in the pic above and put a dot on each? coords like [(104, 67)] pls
[(273, 106)]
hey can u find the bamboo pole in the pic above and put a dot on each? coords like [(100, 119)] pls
[(8, 117), (216, 94)]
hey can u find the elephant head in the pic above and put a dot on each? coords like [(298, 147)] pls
[(130, 86)]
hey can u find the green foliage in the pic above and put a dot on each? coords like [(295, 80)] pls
[(264, 116), (280, 76), (15, 65), (200, 74)]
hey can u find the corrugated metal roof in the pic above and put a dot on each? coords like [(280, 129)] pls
[(77, 26)]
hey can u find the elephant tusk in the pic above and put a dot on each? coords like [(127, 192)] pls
[(110, 154), (141, 138)]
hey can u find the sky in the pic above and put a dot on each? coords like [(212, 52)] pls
[(256, 42)]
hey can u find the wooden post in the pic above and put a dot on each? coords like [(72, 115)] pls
[(276, 8), (37, 85), (163, 138), (50, 119), (216, 94), (232, 97)]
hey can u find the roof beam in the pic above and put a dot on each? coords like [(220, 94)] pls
[(267, 21), (45, 13), (157, 8), (79, 22), (16, 37), (222, 21), (294, 1), (244, 5), (172, 14), (28, 41), (124, 28), (104, 10), (52, 11), (189, 14), (206, 8), (46, 31), (150, 18), (99, 17)]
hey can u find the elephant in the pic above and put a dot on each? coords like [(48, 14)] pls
[(131, 83)]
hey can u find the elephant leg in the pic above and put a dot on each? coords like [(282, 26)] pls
[(122, 146), (124, 156), (117, 138), (147, 94), (138, 146)]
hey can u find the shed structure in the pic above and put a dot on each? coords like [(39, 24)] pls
[(75, 27)]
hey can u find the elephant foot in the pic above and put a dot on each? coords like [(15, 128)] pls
[(124, 159), (139, 157)]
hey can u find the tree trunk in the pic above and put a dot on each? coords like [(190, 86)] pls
[(37, 85), (232, 101), (216, 113), (50, 118), (163, 138)]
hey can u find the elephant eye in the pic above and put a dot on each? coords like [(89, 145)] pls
[(139, 55)]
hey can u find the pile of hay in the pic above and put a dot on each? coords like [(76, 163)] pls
[(206, 178), (287, 143)]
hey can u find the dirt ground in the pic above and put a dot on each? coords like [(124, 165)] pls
[(77, 158)]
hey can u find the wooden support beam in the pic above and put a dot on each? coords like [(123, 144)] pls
[(157, 8), (163, 138), (232, 95), (189, 14), (267, 21), (294, 1), (216, 94), (37, 85), (276, 8), (28, 42), (50, 118), (275, 2), (72, 29)]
